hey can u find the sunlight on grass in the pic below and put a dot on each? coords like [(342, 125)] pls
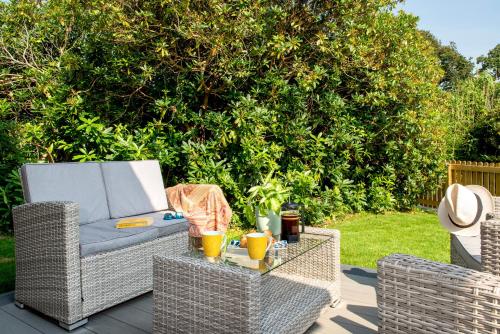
[(367, 237)]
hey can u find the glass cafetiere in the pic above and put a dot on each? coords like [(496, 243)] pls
[(290, 222)]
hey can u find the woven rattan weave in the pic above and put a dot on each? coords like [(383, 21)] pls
[(52, 278), (420, 296), (192, 295)]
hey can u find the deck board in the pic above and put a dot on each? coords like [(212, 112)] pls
[(357, 313), (41, 323), (10, 324), (103, 324), (132, 316)]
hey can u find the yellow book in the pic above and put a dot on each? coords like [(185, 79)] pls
[(134, 222)]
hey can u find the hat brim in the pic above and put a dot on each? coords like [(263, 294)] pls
[(474, 230)]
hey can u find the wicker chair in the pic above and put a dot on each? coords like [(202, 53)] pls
[(421, 296)]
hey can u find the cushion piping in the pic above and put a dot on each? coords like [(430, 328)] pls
[(24, 184), (105, 188)]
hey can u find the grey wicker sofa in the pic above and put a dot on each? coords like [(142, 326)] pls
[(71, 261), (420, 296)]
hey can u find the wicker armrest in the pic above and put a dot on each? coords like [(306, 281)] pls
[(417, 295), (48, 258), (490, 246)]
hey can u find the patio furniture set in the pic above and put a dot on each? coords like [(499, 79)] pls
[(71, 262)]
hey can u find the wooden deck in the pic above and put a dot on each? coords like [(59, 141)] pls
[(356, 314)]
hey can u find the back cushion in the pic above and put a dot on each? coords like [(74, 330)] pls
[(134, 187), (77, 182)]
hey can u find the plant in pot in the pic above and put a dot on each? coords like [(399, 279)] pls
[(265, 202)]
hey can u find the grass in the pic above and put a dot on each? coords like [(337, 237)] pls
[(367, 237), (7, 263)]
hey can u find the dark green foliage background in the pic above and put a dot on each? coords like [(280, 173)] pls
[(340, 98)]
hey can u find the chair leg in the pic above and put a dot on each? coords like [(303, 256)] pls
[(70, 327), (19, 304)]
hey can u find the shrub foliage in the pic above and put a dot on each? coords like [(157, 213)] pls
[(474, 119), (339, 98)]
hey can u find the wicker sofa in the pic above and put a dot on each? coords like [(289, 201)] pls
[(421, 296), (71, 261)]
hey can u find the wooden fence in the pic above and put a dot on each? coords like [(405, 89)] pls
[(466, 172)]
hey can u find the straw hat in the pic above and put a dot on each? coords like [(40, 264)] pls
[(462, 209)]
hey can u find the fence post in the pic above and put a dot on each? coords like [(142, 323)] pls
[(450, 180)]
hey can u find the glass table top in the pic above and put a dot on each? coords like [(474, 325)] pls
[(274, 258)]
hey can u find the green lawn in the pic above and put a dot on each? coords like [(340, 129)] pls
[(7, 265), (367, 237)]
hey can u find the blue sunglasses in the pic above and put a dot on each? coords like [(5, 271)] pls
[(170, 216)]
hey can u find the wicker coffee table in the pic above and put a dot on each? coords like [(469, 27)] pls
[(284, 293)]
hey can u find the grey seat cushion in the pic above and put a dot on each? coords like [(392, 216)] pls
[(469, 249), (102, 236), (77, 182), (166, 227), (134, 187)]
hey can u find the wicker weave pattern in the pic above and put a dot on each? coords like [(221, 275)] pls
[(420, 296), (316, 274), (48, 258), (194, 296), (496, 204), (111, 278), (490, 246), (53, 279), (326, 256), (490, 242)]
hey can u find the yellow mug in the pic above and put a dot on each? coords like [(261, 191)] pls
[(258, 244), (213, 242)]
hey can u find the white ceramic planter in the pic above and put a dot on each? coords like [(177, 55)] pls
[(270, 222)]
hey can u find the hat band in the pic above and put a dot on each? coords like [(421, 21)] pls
[(478, 214)]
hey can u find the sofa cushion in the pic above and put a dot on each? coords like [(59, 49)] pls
[(77, 182), (134, 187), (166, 227), (100, 237)]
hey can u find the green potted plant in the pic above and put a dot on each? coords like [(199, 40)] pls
[(265, 202)]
